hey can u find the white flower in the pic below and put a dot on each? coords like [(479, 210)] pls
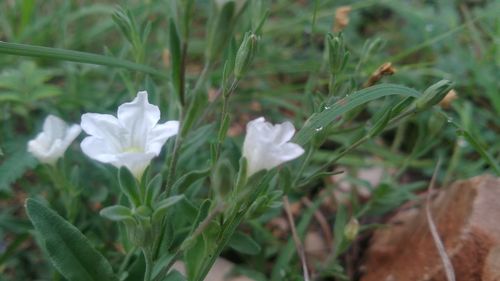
[(131, 140), (266, 146), (52, 142)]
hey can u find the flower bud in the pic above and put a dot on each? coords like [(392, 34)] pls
[(245, 54), (52, 142), (337, 53), (267, 146), (433, 95), (351, 230)]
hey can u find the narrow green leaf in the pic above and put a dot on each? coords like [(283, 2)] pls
[(164, 204), (224, 127), (380, 124), (129, 186), (174, 275), (244, 244), (153, 189), (74, 56), (117, 213), (338, 229), (188, 179), (175, 54), (480, 149), (69, 250), (320, 120)]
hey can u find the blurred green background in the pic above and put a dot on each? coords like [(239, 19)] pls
[(424, 40)]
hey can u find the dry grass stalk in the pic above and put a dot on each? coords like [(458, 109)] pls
[(298, 244), (448, 99), (341, 18), (448, 266), (385, 69)]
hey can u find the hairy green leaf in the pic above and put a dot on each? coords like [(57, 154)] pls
[(69, 250)]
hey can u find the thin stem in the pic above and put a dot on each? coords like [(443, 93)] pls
[(303, 165), (149, 263), (202, 78), (393, 122), (182, 85), (204, 224), (226, 235), (296, 239), (63, 186), (201, 227), (173, 164), (126, 260), (179, 140), (226, 94)]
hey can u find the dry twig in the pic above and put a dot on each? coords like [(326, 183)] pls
[(448, 266), (296, 239)]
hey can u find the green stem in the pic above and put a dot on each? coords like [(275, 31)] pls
[(227, 233), (173, 165), (226, 94), (63, 186), (396, 120), (149, 263), (126, 260)]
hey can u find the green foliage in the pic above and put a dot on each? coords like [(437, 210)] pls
[(14, 166), (215, 65), (319, 121), (70, 251)]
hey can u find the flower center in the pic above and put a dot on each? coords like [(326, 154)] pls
[(133, 149)]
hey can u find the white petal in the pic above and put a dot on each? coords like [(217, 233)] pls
[(139, 117), (287, 152), (266, 146), (71, 134), (55, 151), (160, 134), (99, 149), (135, 162), (54, 127), (39, 151), (283, 132), (105, 126)]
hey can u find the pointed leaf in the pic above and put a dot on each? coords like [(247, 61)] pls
[(163, 205), (70, 251), (117, 213), (320, 120), (244, 244)]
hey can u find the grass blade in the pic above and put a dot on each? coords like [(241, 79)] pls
[(74, 56), (320, 120)]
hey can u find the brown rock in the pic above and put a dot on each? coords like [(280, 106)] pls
[(491, 270), (467, 216)]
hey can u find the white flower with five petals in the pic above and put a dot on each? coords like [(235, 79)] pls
[(52, 142), (267, 146), (132, 139)]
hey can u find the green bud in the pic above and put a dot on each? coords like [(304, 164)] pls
[(245, 54), (337, 53), (433, 95), (351, 230)]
